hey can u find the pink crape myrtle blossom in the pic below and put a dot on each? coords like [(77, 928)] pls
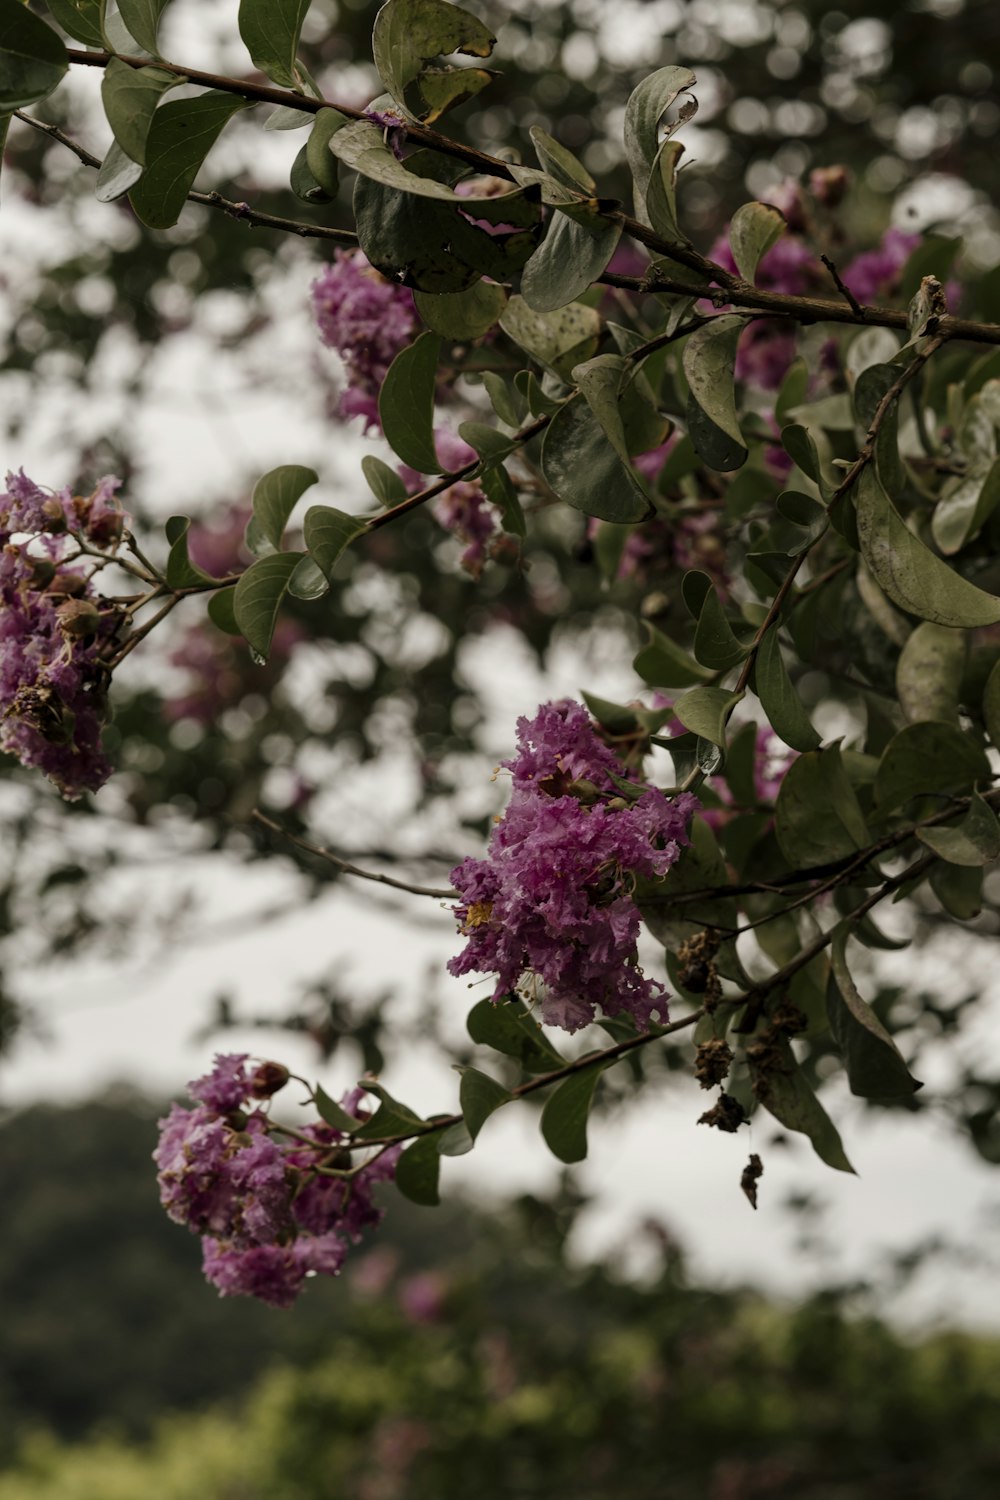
[(56, 631), (552, 901), (268, 1218), (367, 320), (875, 273), (462, 508)]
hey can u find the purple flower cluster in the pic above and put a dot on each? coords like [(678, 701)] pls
[(368, 320), (55, 631), (875, 273), (463, 508), (766, 349), (550, 909), (268, 1214)]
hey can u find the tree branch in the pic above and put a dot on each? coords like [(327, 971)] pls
[(445, 893)]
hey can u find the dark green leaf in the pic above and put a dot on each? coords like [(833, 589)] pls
[(778, 697), (180, 137), (258, 597), (709, 360), (222, 611), (181, 572), (406, 404), (753, 229), (81, 19), (582, 466), (418, 1171), (929, 673), (564, 1118), (706, 710), (817, 815), (499, 490), (274, 497), (875, 1068), (558, 340), (32, 58), (507, 1027), (959, 889), (320, 159), (462, 315), (716, 645), (661, 193), (991, 705), (303, 181), (385, 484), (508, 403), (662, 663), (331, 1112), (924, 758), (327, 533), (647, 105), (408, 35), (142, 18), (785, 1094), (130, 97), (480, 1095), (308, 581), (455, 1141), (872, 385), (568, 261), (270, 31), (391, 1117), (909, 572), (973, 841), (118, 175)]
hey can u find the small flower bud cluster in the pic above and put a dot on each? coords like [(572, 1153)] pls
[(368, 320), (269, 1215), (55, 630), (550, 909)]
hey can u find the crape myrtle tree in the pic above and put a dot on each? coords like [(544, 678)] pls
[(775, 447)]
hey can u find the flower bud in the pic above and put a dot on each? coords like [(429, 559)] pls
[(829, 184), (267, 1079)]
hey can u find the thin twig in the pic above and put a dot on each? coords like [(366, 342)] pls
[(844, 289), (345, 866)]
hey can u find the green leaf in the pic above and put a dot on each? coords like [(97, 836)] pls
[(647, 105), (118, 175), (331, 1112), (964, 506), (385, 484), (308, 581), (924, 758), (320, 159), (817, 815), (508, 1028), (561, 163), (991, 705), (784, 1093), (973, 841), (409, 34), (871, 387), (32, 58), (258, 597), (508, 403), (327, 533), (583, 468), (912, 575), (929, 673), (499, 490), (490, 444), (480, 1095), (274, 497), (130, 97), (779, 700), (662, 663), (715, 643), (406, 404), (709, 360), (418, 1170), (270, 31), (558, 340), (753, 229), (180, 137), (142, 19), (391, 1117), (304, 183), (568, 261), (462, 315), (222, 612), (800, 445), (706, 710), (411, 240), (564, 1118), (959, 889), (661, 194), (875, 1068), (455, 1141), (181, 572), (81, 19)]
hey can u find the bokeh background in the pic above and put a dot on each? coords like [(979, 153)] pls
[(634, 1326)]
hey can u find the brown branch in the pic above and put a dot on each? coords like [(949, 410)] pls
[(344, 865), (843, 288)]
